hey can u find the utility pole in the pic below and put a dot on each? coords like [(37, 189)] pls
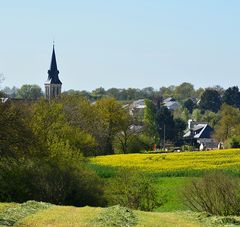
[(164, 128)]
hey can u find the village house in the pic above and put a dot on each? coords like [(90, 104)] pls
[(200, 134)]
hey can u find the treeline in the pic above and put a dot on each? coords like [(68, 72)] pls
[(180, 92), (202, 105)]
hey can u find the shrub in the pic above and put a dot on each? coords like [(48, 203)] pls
[(215, 193), (187, 148), (116, 216), (57, 182), (132, 189), (235, 142)]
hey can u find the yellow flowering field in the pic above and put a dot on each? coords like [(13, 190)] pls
[(168, 162)]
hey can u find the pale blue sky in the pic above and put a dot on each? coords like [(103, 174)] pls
[(124, 43)]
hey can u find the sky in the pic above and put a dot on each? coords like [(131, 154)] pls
[(124, 43)]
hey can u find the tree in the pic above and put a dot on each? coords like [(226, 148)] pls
[(211, 118), (232, 97), (167, 91), (185, 115), (134, 190), (184, 91), (165, 124), (215, 193), (148, 92), (10, 92), (197, 115), (229, 123), (16, 138), (56, 134), (210, 100), (190, 105), (179, 126), (127, 134), (112, 119), (150, 119), (28, 91), (98, 93)]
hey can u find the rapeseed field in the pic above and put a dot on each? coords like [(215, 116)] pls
[(172, 162)]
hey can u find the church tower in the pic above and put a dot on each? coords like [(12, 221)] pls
[(53, 85)]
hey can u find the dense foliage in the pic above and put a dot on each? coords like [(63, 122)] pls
[(216, 193), (41, 157), (133, 189)]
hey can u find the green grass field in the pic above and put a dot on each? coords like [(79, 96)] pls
[(40, 215)]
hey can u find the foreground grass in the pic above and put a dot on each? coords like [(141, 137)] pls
[(35, 214), (173, 164), (10, 214), (72, 216)]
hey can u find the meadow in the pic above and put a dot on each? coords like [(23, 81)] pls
[(41, 214)]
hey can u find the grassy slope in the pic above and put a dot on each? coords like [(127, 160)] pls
[(40, 215), (4, 206), (72, 216), (170, 188)]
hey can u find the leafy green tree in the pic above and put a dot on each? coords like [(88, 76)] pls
[(198, 93), (126, 135), (229, 123), (179, 125), (16, 138), (184, 91), (211, 118), (197, 115), (232, 97), (10, 92), (50, 125), (167, 91), (98, 93), (210, 100), (165, 124), (150, 119), (112, 118), (28, 91), (134, 190), (185, 115), (189, 105)]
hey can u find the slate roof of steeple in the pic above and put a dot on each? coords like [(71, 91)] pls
[(53, 71)]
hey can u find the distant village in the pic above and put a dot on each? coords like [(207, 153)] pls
[(199, 109)]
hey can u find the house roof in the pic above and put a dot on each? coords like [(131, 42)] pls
[(199, 131), (170, 99), (172, 105)]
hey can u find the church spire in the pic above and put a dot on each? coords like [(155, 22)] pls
[(53, 71), (53, 85)]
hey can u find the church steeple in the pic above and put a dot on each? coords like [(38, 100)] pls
[(53, 84), (53, 71)]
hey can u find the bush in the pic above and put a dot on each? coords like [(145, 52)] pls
[(215, 193), (57, 182), (235, 142), (132, 189), (136, 144), (187, 148), (116, 216)]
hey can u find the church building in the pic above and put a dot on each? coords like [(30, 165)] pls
[(53, 84)]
